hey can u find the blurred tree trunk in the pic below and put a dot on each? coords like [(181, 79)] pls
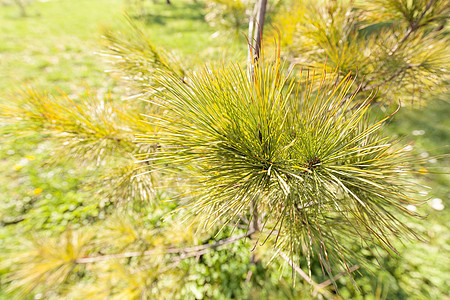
[(261, 17), (255, 32), (23, 12), (255, 28)]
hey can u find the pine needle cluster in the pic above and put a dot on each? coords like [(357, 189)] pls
[(398, 47), (95, 132), (301, 150)]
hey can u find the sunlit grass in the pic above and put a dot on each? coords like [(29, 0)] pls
[(56, 44)]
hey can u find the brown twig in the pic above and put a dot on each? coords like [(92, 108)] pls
[(184, 252), (12, 221), (413, 27), (390, 79), (330, 281), (315, 285)]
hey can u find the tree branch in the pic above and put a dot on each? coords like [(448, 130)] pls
[(390, 79), (12, 221), (317, 287), (255, 31), (260, 27), (330, 281), (184, 252), (413, 27), (254, 227)]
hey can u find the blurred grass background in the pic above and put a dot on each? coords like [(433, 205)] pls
[(55, 47), (56, 44)]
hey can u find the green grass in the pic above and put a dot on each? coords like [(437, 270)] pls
[(56, 44), (181, 27)]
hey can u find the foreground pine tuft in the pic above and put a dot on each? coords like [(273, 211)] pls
[(301, 150)]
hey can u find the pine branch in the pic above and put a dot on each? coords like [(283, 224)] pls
[(88, 129), (398, 73), (316, 286), (14, 221), (262, 4), (248, 137), (412, 28), (349, 36), (136, 57), (330, 281), (184, 252)]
